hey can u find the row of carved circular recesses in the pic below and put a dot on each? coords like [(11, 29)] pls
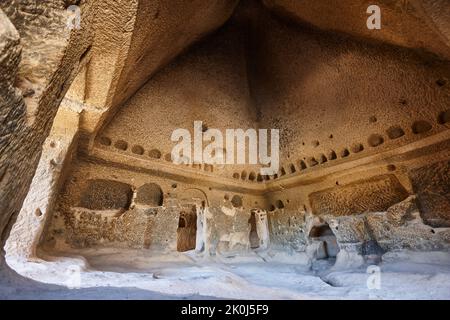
[(236, 201), (374, 140), (155, 154)]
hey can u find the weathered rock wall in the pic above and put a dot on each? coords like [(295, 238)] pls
[(39, 58), (135, 39), (208, 83), (53, 168), (137, 220), (364, 129), (417, 24), (432, 185), (336, 97)]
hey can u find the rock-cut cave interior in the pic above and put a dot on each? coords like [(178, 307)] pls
[(91, 199)]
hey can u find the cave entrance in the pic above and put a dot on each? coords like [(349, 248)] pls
[(325, 241), (187, 230), (259, 229), (254, 238)]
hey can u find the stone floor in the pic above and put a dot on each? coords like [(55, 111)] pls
[(134, 274)]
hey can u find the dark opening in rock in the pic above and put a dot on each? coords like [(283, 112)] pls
[(312, 162), (106, 194), (236, 201), (358, 147), (168, 157), (279, 204), (395, 132), (302, 165), (155, 154), (121, 145), (254, 239), (375, 140), (332, 155), (444, 117), (137, 150), (150, 194), (345, 153), (421, 126), (322, 159), (326, 240), (187, 230), (105, 141), (292, 168)]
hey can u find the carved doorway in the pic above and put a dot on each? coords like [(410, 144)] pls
[(187, 230)]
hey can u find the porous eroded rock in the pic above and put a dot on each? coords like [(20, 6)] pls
[(38, 73), (399, 227), (411, 23), (106, 194), (375, 194), (399, 213), (432, 185), (150, 194)]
